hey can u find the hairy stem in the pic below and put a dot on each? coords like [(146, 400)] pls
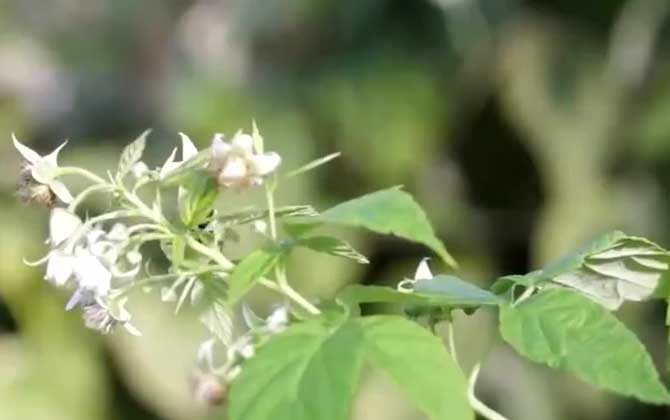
[(479, 407)]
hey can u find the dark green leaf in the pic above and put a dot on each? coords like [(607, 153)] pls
[(132, 154), (332, 246), (249, 270), (567, 331)]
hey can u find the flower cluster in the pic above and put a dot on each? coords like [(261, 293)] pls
[(210, 379), (95, 263), (99, 259)]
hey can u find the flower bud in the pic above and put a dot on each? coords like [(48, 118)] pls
[(208, 388)]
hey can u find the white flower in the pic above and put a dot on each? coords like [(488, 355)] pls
[(59, 268), (236, 164), (242, 347), (278, 320), (104, 317), (43, 170), (422, 273), (139, 170), (62, 226)]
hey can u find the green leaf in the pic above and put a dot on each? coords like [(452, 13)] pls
[(447, 292), (419, 364), (185, 169), (567, 331), (208, 297), (132, 154), (452, 291), (249, 270), (311, 371), (390, 211), (610, 270), (197, 196), (332, 246), (630, 269)]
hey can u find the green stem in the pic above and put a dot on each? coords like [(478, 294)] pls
[(211, 253), (479, 407), (72, 208), (452, 341), (280, 271), (71, 170)]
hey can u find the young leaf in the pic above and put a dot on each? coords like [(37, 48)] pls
[(132, 154), (332, 246), (197, 196), (208, 297), (250, 269), (390, 211), (566, 331), (311, 371)]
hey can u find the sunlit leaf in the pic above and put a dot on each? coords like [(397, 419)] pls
[(390, 211), (311, 371), (567, 331)]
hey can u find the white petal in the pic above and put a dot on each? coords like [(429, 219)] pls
[(92, 275), (264, 164), (220, 148), (139, 169), (243, 144), (52, 158), (188, 149), (131, 329), (62, 225), (234, 171), (169, 164), (278, 320), (59, 268), (423, 271), (205, 355), (28, 154), (61, 191)]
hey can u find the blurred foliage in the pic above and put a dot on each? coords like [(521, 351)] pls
[(524, 127)]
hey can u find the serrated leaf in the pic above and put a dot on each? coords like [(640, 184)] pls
[(419, 364), (627, 269), (249, 270), (610, 270), (567, 331), (390, 211), (312, 370), (332, 246), (132, 154)]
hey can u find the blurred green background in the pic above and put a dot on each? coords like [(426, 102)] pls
[(523, 127)]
